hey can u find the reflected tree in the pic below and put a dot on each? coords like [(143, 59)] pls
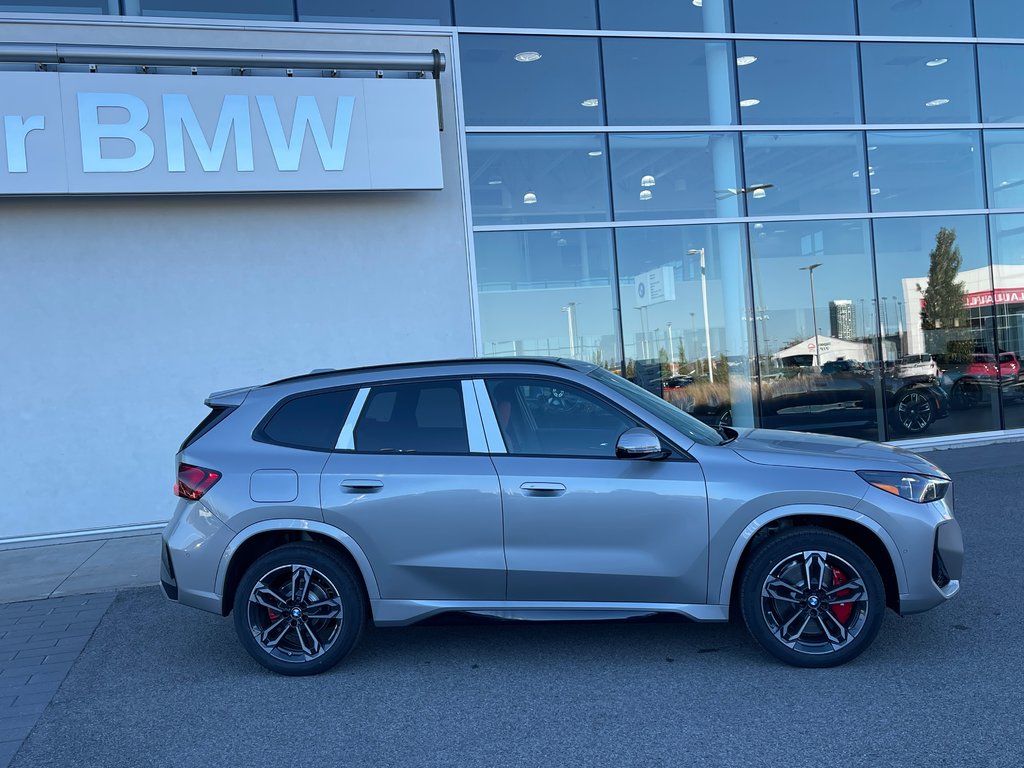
[(944, 296)]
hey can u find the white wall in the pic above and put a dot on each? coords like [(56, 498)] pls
[(119, 315)]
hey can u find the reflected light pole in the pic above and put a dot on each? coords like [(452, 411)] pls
[(570, 312), (704, 300), (671, 351), (814, 313)]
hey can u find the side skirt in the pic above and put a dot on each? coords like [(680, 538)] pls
[(396, 613)]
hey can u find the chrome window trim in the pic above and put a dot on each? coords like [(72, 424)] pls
[(474, 421), (347, 436), (492, 432)]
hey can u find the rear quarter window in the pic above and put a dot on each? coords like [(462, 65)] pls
[(310, 421)]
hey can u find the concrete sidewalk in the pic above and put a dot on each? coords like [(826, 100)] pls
[(36, 571)]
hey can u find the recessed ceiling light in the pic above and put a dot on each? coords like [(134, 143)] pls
[(750, 102), (744, 60), (872, 149), (529, 198), (698, 3), (1004, 183), (494, 182), (527, 56), (759, 194), (935, 62), (589, 102), (856, 174), (595, 153), (646, 194), (875, 190), (647, 181), (936, 102), (871, 171)]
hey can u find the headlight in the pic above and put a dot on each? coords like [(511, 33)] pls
[(919, 488)]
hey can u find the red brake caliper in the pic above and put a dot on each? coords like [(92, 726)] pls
[(841, 611)]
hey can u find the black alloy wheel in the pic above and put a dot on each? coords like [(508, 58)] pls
[(913, 412), (299, 610), (812, 598), (966, 393)]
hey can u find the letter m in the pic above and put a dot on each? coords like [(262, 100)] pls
[(288, 151), (180, 119)]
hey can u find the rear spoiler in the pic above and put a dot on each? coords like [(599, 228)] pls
[(228, 398)]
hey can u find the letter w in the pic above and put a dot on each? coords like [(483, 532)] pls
[(288, 152), (180, 118)]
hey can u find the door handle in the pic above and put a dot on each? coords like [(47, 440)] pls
[(543, 489), (354, 485)]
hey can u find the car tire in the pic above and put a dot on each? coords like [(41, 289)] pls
[(299, 609), (791, 598), (966, 393), (912, 412)]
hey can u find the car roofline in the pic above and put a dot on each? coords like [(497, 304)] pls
[(560, 362)]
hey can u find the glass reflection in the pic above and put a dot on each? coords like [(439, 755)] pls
[(548, 293), (666, 15), (1004, 158), (675, 175), (270, 10), (433, 12), (525, 14), (935, 294), (684, 318), (805, 173), (999, 69), (61, 6), (517, 179), (919, 83), (998, 18), (1008, 309), (925, 170), (820, 362), (669, 82), (535, 80), (934, 18), (796, 17), (794, 83)]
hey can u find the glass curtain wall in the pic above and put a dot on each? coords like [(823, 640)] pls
[(814, 234)]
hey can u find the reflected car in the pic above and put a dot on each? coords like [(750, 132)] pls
[(911, 366), (540, 489), (842, 400)]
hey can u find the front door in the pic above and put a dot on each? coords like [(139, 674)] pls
[(582, 525)]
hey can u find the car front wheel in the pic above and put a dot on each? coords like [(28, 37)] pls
[(299, 609), (812, 598)]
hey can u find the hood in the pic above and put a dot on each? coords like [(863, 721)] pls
[(800, 449)]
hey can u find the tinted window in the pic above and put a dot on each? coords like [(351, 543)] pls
[(377, 11), (424, 417), (60, 6), (797, 83), (538, 14), (543, 417), (310, 421), (1000, 67), (919, 83), (1004, 155), (795, 17), (667, 15), (531, 80), (998, 18), (273, 10), (931, 18)]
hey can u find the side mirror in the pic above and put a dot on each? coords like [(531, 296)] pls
[(639, 443)]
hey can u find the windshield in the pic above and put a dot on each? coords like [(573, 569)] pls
[(689, 426)]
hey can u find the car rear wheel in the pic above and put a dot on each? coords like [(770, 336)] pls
[(966, 393), (812, 598), (299, 610), (913, 413)]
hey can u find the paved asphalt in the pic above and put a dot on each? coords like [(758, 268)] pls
[(164, 685)]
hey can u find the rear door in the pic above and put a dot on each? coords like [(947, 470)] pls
[(580, 524), (410, 481)]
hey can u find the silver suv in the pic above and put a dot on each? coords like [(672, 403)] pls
[(539, 489)]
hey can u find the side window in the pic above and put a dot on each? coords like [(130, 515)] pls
[(309, 421), (421, 417), (544, 417)]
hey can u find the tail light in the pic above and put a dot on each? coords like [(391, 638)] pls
[(193, 481)]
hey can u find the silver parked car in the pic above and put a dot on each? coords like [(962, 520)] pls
[(539, 489)]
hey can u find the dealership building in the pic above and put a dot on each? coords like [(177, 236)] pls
[(196, 196)]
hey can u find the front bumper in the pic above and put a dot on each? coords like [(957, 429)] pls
[(947, 561)]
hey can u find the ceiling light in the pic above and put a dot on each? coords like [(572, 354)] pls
[(871, 171), (527, 56), (750, 102), (648, 181), (935, 62), (529, 198), (698, 3), (646, 194), (759, 225), (589, 102), (872, 149), (936, 102), (759, 194), (494, 182), (744, 60), (875, 190), (856, 174), (595, 153)]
